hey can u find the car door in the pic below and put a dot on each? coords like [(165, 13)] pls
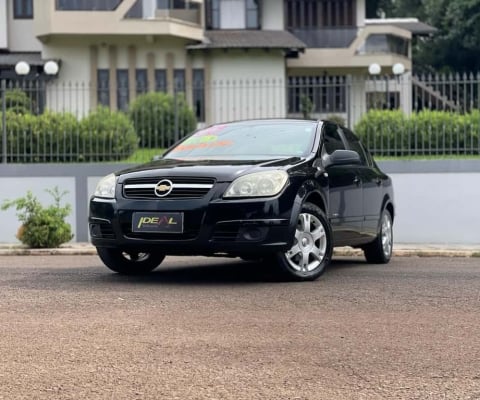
[(345, 191), (371, 186)]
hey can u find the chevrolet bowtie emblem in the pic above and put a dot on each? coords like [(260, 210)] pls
[(163, 188)]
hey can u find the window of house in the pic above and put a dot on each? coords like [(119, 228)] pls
[(160, 80), (23, 9), (321, 94), (316, 14), (123, 95), (103, 87), (86, 5), (141, 81), (384, 43), (232, 14), (199, 94), (179, 80)]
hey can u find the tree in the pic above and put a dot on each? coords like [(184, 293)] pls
[(455, 46)]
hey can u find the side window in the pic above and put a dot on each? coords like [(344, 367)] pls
[(355, 145), (331, 138)]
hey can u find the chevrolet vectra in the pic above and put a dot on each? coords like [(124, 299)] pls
[(285, 191)]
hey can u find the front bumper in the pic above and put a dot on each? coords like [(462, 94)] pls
[(211, 225)]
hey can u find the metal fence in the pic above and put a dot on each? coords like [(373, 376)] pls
[(49, 121)]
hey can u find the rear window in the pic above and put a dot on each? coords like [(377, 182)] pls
[(248, 141)]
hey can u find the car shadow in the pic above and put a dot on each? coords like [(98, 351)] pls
[(229, 272)]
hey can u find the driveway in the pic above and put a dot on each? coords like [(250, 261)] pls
[(202, 328)]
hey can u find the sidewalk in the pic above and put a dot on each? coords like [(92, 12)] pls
[(400, 249)]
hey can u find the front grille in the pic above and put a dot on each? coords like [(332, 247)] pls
[(183, 187)]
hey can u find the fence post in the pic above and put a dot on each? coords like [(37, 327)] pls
[(175, 107), (3, 89)]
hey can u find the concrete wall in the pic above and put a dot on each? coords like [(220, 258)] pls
[(3, 25), (247, 85), (436, 201), (21, 35)]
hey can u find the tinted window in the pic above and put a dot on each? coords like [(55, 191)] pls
[(331, 138), (355, 145), (249, 141)]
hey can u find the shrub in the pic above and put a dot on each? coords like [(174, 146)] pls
[(41, 227), (427, 132), (106, 135), (41, 138), (17, 101), (156, 115)]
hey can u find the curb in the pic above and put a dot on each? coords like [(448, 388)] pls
[(85, 249)]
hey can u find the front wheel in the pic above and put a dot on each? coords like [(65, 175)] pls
[(129, 262), (311, 252), (380, 250)]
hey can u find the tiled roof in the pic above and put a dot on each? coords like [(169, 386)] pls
[(223, 39)]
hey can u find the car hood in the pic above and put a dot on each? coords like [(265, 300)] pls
[(221, 170)]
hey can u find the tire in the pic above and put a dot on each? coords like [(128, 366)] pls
[(129, 262), (380, 250), (311, 251)]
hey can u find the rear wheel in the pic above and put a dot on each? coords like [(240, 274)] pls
[(380, 250), (311, 251), (129, 262)]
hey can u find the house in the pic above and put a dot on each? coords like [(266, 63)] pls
[(233, 59)]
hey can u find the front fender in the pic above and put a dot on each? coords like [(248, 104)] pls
[(310, 189)]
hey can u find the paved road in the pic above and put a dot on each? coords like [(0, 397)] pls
[(223, 329)]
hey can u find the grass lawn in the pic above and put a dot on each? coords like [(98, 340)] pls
[(143, 156)]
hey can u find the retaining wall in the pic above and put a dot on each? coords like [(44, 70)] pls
[(437, 201)]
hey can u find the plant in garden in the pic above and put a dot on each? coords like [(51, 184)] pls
[(42, 227), (156, 115), (17, 101), (106, 135)]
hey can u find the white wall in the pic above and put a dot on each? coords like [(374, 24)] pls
[(272, 15), (361, 12), (437, 208), (21, 35), (3, 25), (247, 85)]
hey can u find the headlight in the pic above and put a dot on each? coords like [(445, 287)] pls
[(259, 184), (106, 187)]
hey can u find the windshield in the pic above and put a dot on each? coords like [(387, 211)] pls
[(248, 140)]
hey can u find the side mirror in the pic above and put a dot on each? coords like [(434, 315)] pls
[(342, 157)]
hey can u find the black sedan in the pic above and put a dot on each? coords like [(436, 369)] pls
[(286, 191)]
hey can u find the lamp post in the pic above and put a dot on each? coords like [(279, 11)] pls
[(374, 70)]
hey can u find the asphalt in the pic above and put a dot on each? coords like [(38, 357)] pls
[(400, 250)]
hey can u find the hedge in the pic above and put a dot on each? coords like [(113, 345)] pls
[(156, 115), (61, 137), (391, 133)]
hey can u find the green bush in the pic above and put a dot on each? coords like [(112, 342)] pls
[(42, 227), (156, 115), (17, 101), (47, 137), (106, 135), (427, 132)]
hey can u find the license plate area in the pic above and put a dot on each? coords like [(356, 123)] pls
[(157, 222)]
